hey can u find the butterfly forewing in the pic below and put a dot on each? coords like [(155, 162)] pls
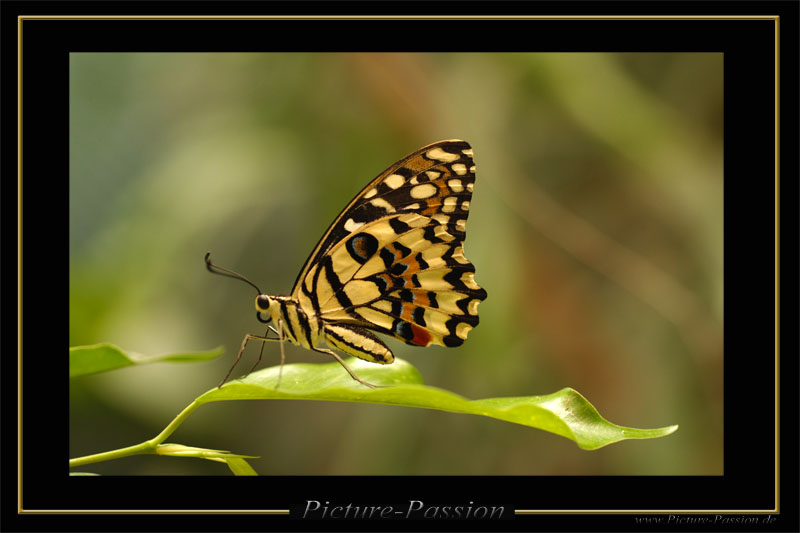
[(373, 201), (393, 260)]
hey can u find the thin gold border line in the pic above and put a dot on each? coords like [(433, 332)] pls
[(19, 264), (646, 511), (777, 262), (399, 17), (775, 19), (159, 511)]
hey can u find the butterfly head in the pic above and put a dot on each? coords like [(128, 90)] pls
[(266, 305)]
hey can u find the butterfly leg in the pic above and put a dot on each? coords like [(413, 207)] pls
[(261, 352), (349, 371), (283, 354), (241, 351)]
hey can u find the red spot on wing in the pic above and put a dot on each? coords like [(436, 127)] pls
[(421, 336)]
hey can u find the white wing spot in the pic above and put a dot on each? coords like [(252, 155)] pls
[(461, 225), (371, 193), (455, 185), (441, 219), (450, 204), (441, 155), (432, 174), (470, 186), (465, 205), (468, 279), (351, 225), (426, 190), (414, 220), (383, 204), (467, 152), (394, 181), (412, 206), (459, 168), (458, 255), (441, 233)]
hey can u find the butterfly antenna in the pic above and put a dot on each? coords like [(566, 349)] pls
[(225, 272)]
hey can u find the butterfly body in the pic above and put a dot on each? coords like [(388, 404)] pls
[(392, 262), (305, 328)]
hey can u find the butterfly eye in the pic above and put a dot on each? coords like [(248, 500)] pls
[(262, 303), (263, 320)]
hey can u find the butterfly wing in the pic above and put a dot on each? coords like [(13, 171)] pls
[(393, 260), (375, 200)]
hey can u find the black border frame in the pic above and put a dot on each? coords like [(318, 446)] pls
[(749, 44)]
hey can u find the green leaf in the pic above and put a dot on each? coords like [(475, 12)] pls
[(96, 358), (180, 450), (564, 413), (240, 467), (154, 446), (235, 462)]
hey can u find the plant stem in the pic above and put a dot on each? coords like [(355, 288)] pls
[(139, 449), (177, 421), (146, 447)]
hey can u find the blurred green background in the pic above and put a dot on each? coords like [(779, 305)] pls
[(595, 227)]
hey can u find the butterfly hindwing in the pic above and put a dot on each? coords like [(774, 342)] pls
[(393, 260)]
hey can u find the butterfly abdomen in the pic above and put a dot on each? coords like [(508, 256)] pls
[(359, 342)]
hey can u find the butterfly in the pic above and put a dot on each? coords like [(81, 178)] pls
[(392, 262)]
